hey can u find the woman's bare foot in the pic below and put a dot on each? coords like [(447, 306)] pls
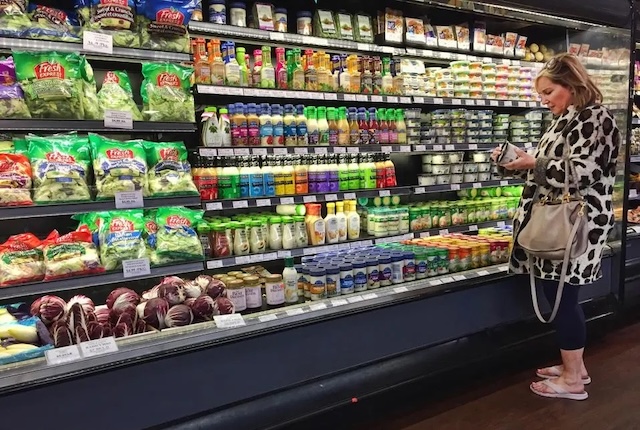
[(556, 371), (567, 386)]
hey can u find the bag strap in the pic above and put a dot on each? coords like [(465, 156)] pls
[(565, 262)]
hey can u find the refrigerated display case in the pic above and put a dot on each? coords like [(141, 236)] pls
[(134, 335)]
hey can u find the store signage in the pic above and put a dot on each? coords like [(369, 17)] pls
[(370, 296), (318, 307), (118, 119), (229, 321), (62, 355), (296, 311), (136, 267), (355, 299), (400, 290), (95, 347), (97, 42), (267, 317), (129, 199)]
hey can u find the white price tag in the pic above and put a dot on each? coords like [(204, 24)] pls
[(353, 149), (234, 91), (284, 254), (503, 268), (97, 42), (470, 102), (447, 280), (295, 311), (226, 152), (331, 96), (214, 264), (339, 302), (287, 201), (425, 234), (449, 147), (280, 151), (318, 150), (339, 150), (501, 224), (376, 99), (239, 204), (508, 103), (215, 206), (418, 100), (355, 299), (370, 296), (438, 147), (318, 307), (241, 151), (522, 104), (392, 99), (129, 199), (405, 148), (62, 355), (528, 145), (118, 119), (243, 259), (456, 101), (473, 228), (256, 258), (349, 196), (309, 199), (483, 273), (420, 190), (270, 256), (473, 146), (633, 193), (362, 98), (263, 202), (364, 243), (504, 183), (400, 290), (330, 197), (208, 152), (362, 46), (420, 148), (458, 278), (259, 151), (477, 185), (349, 98), (438, 101), (136, 267), (455, 187), (385, 193), (267, 317), (494, 103), (95, 347), (405, 100), (444, 231), (274, 35), (229, 321), (250, 92)]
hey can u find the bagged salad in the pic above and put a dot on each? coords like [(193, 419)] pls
[(177, 239), (14, 19), (166, 92), (114, 17), (49, 23), (15, 180), (118, 166), (52, 83), (91, 221), (12, 103), (21, 260), (121, 237), (116, 94), (169, 170), (90, 104), (163, 24), (72, 254), (60, 165)]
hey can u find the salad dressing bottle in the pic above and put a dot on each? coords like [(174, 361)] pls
[(353, 220), (269, 178), (256, 179), (257, 68), (363, 125), (241, 125), (253, 125), (279, 175), (289, 123), (381, 175), (202, 67), (401, 127), (298, 79), (333, 174), (267, 72), (383, 134), (343, 126), (323, 126), (331, 224), (398, 78), (343, 173), (343, 75), (387, 79), (312, 126), (342, 222), (393, 131), (325, 80), (245, 171), (366, 80), (312, 174), (244, 68), (315, 225), (216, 63), (302, 137), (224, 128), (310, 73), (354, 74), (354, 129), (210, 132), (390, 172), (231, 67), (374, 132), (289, 176), (301, 170), (229, 180), (322, 175), (278, 125), (333, 127), (354, 172), (281, 69)]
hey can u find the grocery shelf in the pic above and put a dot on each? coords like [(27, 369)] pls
[(282, 150), (77, 283), (38, 211), (635, 158), (466, 186), (58, 125), (308, 198), (465, 228), (462, 147), (123, 54), (468, 102)]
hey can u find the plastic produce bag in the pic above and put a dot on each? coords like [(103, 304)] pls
[(52, 83), (118, 166), (91, 106), (12, 103), (49, 23), (21, 260), (73, 254), (166, 92), (116, 94), (13, 18), (177, 239), (15, 180), (163, 24), (169, 170), (117, 18), (91, 221), (59, 168), (121, 237)]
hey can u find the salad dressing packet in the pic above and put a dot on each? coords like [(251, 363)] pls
[(166, 92)]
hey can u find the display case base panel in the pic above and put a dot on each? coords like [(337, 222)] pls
[(184, 385)]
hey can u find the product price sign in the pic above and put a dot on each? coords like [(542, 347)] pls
[(339, 302), (118, 119), (400, 290), (392, 99), (349, 98), (405, 148), (226, 152), (241, 151), (504, 268), (331, 96), (473, 228), (62, 355), (418, 100), (95, 347), (214, 264), (370, 296), (229, 321), (274, 35), (355, 299), (268, 317), (438, 147), (425, 234), (455, 187), (320, 150), (449, 147), (459, 278), (633, 193), (271, 256), (447, 280), (296, 311), (508, 103), (318, 307), (353, 149), (259, 151), (376, 99), (339, 150), (280, 151), (473, 146), (256, 258), (504, 183), (233, 91), (215, 206), (528, 145), (362, 98), (243, 259), (470, 102), (483, 273), (405, 100), (522, 104), (284, 254), (477, 185), (287, 201), (129, 199), (349, 196), (300, 151), (263, 202), (309, 199), (208, 152), (136, 267), (435, 282), (438, 101), (239, 204), (494, 103), (331, 197), (443, 232), (501, 224), (97, 42), (385, 193), (456, 101)]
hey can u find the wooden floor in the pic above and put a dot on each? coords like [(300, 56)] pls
[(505, 403)]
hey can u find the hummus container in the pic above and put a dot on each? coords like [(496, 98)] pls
[(485, 114), (461, 85), (441, 123), (413, 140), (519, 122), (440, 169), (413, 132), (426, 180), (476, 86), (502, 68), (460, 65), (484, 167), (470, 168), (525, 95), (442, 84), (491, 95), (475, 66), (502, 79), (520, 139), (489, 87), (475, 77), (513, 79), (534, 115), (464, 94), (519, 132), (426, 158), (502, 95), (486, 123), (427, 168), (442, 179), (481, 157), (473, 123), (459, 113), (484, 176), (501, 118), (514, 70), (457, 178), (443, 74), (473, 139), (470, 177), (513, 88), (488, 68), (459, 132), (443, 131), (485, 132), (439, 159), (456, 157), (460, 75), (448, 92), (485, 140), (413, 123), (457, 168), (501, 133)]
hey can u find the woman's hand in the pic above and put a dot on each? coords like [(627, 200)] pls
[(525, 161), (496, 153)]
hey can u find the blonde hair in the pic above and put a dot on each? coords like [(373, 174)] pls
[(566, 70)]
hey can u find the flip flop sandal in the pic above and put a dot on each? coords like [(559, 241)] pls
[(556, 373), (559, 392)]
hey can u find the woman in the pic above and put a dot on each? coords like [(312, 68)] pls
[(590, 129)]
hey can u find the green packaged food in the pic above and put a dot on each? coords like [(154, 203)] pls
[(116, 94), (92, 109), (169, 170), (324, 24), (52, 82), (59, 167), (121, 237), (166, 92), (177, 239), (363, 28), (117, 18), (118, 166), (163, 24), (14, 20)]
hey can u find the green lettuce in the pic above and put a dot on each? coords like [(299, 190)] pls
[(177, 239), (116, 94), (169, 170), (166, 92), (121, 237)]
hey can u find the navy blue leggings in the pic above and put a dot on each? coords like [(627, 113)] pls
[(571, 330)]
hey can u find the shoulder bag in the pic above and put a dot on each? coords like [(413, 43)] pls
[(557, 230)]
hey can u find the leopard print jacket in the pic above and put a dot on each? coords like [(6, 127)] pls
[(595, 142)]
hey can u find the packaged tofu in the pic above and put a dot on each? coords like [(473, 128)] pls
[(344, 22), (446, 37), (324, 24), (414, 31), (462, 37), (363, 28)]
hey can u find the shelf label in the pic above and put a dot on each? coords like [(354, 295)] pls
[(473, 146), (97, 42), (376, 99), (456, 101), (438, 147), (95, 347), (259, 151), (229, 321), (295, 311), (425, 234), (287, 201), (339, 150), (470, 102), (443, 231), (239, 204), (405, 148), (355, 299), (331, 96), (504, 268), (353, 149), (318, 150), (226, 152), (243, 259), (504, 183), (339, 302), (633, 193), (405, 100), (447, 280), (528, 145), (256, 258), (501, 224), (208, 152), (349, 98), (370, 296), (392, 99), (459, 278), (129, 199), (309, 199), (280, 151), (284, 254), (241, 151), (482, 273), (214, 264), (477, 185), (420, 190), (215, 206), (234, 91), (494, 103), (263, 202), (362, 98), (274, 35), (508, 103), (473, 228), (330, 197), (449, 147), (267, 317), (118, 119), (455, 187), (270, 256), (400, 290), (318, 307), (349, 196), (522, 104), (420, 148), (62, 355), (438, 101), (136, 267), (385, 193), (418, 100), (435, 282)]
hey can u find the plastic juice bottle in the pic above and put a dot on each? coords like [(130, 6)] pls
[(216, 63), (354, 129), (323, 126), (354, 172), (377, 75), (343, 75), (334, 179), (312, 126), (343, 126), (233, 127), (253, 125), (244, 68), (301, 170), (390, 172), (331, 224), (289, 176), (342, 222), (383, 134), (333, 126), (367, 77), (401, 127), (289, 122), (269, 178), (267, 72), (354, 74), (315, 225), (256, 72), (278, 125), (266, 125), (231, 67), (298, 74), (343, 173), (312, 174), (281, 69), (279, 175), (302, 136), (202, 68), (209, 179), (381, 174), (310, 73), (224, 127), (387, 79), (240, 122), (197, 165), (363, 125), (245, 170), (256, 179), (353, 220), (374, 131), (210, 135), (393, 131)]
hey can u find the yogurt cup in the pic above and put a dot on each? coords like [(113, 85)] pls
[(461, 93), (447, 92), (442, 84), (443, 74), (460, 65), (475, 66)]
